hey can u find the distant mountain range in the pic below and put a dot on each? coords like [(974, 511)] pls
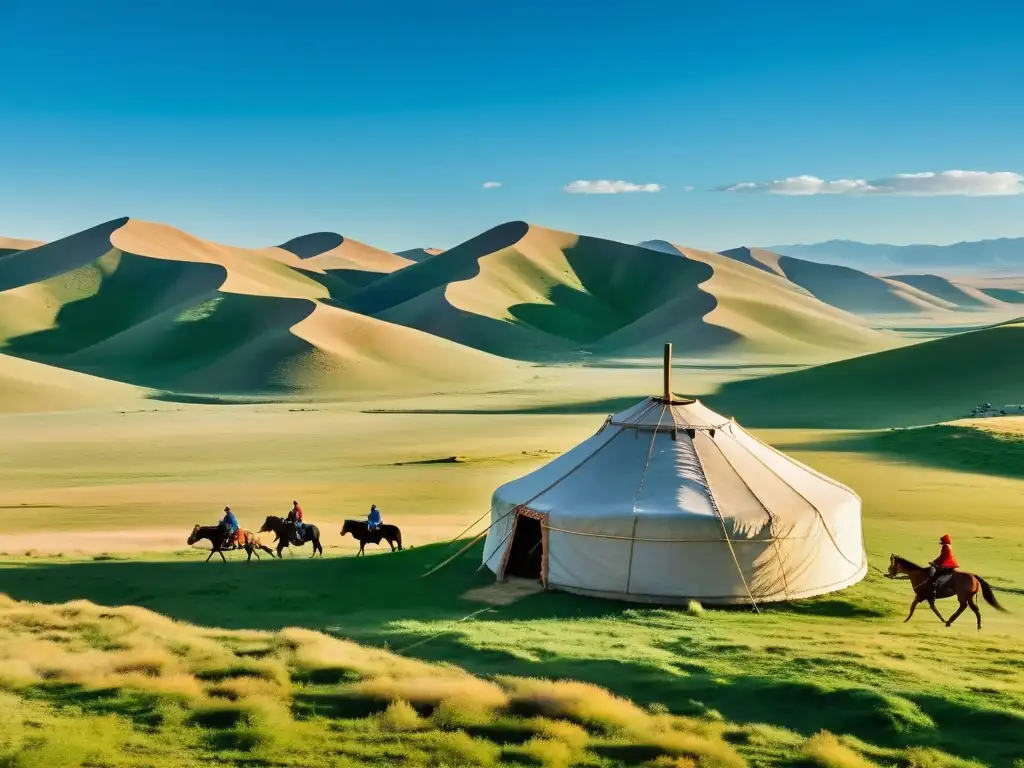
[(1001, 256)]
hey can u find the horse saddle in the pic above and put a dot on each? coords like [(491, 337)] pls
[(943, 579)]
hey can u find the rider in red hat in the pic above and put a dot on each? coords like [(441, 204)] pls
[(944, 564)]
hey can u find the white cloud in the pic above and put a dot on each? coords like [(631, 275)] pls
[(606, 187), (492, 184), (944, 183), (688, 189)]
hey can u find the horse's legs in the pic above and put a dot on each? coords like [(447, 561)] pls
[(318, 547), (212, 550), (974, 607), (250, 552), (913, 607), (961, 609), (931, 604), (391, 544)]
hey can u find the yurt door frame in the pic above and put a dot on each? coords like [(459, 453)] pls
[(542, 520)]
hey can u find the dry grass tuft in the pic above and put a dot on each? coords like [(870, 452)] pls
[(672, 762), (827, 751), (549, 752), (706, 750), (575, 737), (462, 692), (268, 670), (401, 717), (458, 748), (921, 757), (581, 703)]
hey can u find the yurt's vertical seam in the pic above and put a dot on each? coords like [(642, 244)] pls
[(556, 482), (759, 500), (636, 496), (810, 503), (725, 528)]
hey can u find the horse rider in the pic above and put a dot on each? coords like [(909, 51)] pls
[(295, 517), (373, 520), (943, 565), (229, 526)]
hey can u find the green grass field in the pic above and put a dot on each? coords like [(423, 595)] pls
[(838, 681)]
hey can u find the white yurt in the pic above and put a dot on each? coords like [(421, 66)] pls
[(669, 501)]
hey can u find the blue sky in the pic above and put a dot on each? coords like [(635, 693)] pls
[(251, 123)]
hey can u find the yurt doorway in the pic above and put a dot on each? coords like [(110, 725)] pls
[(527, 551)]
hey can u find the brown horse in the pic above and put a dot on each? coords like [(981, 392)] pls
[(961, 584), (241, 539)]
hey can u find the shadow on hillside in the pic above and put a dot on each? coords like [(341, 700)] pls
[(357, 597), (946, 446)]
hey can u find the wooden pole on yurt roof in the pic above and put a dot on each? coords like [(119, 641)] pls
[(668, 373)]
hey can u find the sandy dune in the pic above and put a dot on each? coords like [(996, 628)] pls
[(344, 254), (866, 294), (251, 272), (322, 315), (419, 254), (11, 244), (755, 312), (27, 386)]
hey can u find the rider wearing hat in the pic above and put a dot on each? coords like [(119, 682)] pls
[(229, 525), (373, 519), (944, 564), (295, 517)]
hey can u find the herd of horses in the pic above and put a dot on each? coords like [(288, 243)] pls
[(284, 536)]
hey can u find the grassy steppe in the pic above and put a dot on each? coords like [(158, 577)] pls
[(748, 687)]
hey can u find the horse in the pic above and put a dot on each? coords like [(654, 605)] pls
[(963, 585), (360, 530), (241, 539), (284, 530)]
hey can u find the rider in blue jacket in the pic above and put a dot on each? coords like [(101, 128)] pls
[(229, 524), (373, 519)]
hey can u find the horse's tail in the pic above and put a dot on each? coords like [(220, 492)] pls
[(989, 594), (258, 544)]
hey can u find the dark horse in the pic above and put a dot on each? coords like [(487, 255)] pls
[(961, 584), (285, 532), (242, 539), (361, 532)]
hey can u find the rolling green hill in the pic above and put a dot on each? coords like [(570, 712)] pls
[(924, 383)]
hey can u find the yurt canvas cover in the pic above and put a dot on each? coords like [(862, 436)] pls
[(670, 501)]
